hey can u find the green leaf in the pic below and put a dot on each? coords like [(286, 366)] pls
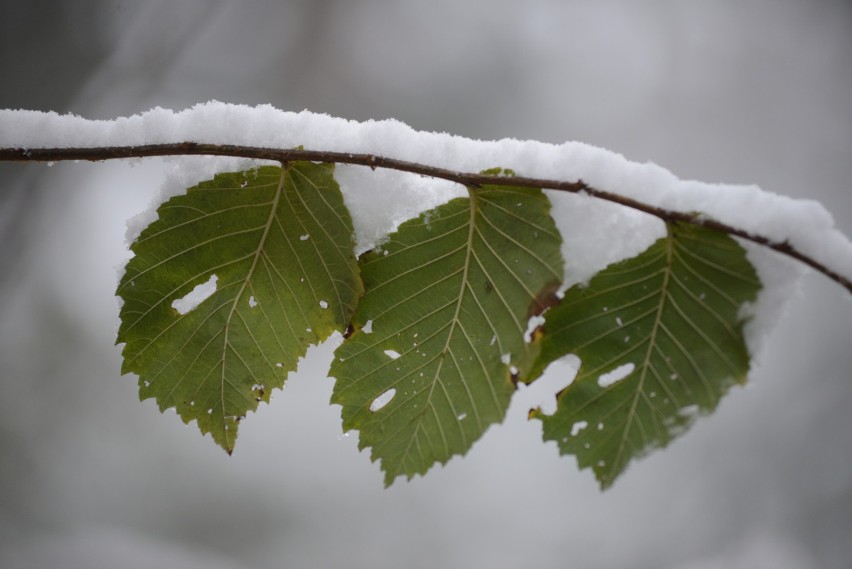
[(659, 337), (440, 331), (276, 245)]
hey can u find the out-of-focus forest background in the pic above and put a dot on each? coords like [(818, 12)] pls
[(742, 92)]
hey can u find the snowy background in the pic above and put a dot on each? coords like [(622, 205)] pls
[(735, 92)]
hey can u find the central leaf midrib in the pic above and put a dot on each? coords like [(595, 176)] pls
[(651, 343), (249, 274), (453, 324)]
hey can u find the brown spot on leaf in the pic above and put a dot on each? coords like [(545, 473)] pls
[(537, 334), (544, 300)]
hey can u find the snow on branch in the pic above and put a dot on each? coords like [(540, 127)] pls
[(801, 229)]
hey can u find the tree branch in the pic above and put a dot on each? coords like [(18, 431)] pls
[(373, 161)]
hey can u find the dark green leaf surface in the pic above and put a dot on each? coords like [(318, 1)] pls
[(660, 339), (278, 245), (440, 330)]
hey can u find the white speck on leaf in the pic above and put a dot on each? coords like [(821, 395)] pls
[(392, 354), (323, 304)]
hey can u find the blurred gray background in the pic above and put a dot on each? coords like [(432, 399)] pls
[(745, 92)]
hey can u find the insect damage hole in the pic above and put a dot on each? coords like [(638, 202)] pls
[(614, 376), (392, 354), (382, 399), (196, 296)]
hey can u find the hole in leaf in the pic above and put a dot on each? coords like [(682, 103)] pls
[(532, 325), (196, 296), (382, 400), (577, 427), (543, 393), (616, 375), (392, 354)]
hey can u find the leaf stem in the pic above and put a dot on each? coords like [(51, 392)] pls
[(468, 179)]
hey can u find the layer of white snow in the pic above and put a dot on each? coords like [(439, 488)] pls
[(595, 233)]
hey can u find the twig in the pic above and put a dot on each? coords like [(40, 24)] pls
[(373, 161)]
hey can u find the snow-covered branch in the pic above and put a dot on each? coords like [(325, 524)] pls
[(801, 229)]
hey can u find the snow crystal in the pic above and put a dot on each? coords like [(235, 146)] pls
[(196, 296)]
